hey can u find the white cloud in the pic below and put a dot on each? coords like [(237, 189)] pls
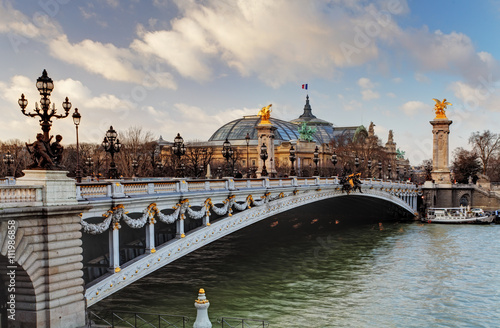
[(412, 108), (452, 53), (352, 105), (369, 94), (365, 83), (419, 77), (254, 38), (481, 96), (391, 95)]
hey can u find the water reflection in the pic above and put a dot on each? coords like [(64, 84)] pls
[(320, 272)]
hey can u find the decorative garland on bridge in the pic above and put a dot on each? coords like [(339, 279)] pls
[(182, 208)]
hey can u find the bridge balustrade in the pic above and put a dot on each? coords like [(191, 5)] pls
[(14, 196)]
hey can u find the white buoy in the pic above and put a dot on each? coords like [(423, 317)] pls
[(201, 305)]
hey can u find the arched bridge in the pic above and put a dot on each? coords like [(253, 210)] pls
[(200, 212)]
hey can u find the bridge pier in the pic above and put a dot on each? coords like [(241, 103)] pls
[(41, 250)]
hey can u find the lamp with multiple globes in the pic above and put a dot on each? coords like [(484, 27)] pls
[(316, 161), (8, 160), (263, 155), (179, 149), (227, 153), (247, 140), (292, 160), (112, 146)]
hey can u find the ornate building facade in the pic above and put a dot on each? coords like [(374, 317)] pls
[(307, 134)]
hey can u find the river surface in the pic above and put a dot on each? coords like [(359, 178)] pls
[(323, 273)]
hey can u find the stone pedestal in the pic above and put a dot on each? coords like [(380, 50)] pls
[(58, 188), (201, 305), (266, 136), (440, 154)]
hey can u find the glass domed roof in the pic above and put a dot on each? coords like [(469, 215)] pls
[(325, 131), (238, 129)]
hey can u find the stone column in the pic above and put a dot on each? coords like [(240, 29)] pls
[(266, 136), (440, 152)]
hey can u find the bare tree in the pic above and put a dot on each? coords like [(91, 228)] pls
[(485, 145)]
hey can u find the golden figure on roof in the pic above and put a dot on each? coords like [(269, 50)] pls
[(265, 114), (440, 107)]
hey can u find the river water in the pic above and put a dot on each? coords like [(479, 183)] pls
[(325, 273)]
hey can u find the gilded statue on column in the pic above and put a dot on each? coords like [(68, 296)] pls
[(440, 107), (265, 114)]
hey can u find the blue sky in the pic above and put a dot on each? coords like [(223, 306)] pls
[(186, 66)]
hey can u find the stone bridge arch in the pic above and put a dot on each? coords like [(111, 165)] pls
[(45, 264), (271, 204)]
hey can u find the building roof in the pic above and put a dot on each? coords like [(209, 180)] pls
[(286, 131)]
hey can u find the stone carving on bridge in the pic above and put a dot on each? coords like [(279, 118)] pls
[(440, 107)]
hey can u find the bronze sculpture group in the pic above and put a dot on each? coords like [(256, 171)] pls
[(44, 154)]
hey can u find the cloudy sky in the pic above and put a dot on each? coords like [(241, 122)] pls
[(189, 66)]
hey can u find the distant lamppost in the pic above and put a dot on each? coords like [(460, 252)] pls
[(334, 162), (227, 153), (247, 140), (369, 164), (219, 172), (134, 165), (8, 159), (356, 162), (397, 172), (292, 160), (380, 169), (263, 156), (179, 151), (316, 160), (112, 145), (76, 119), (159, 166), (45, 85), (389, 170), (89, 163)]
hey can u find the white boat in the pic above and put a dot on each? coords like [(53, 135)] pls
[(457, 215)]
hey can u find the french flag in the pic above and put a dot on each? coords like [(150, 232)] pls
[(304, 86)]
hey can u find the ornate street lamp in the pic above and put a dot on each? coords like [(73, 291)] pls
[(380, 169), (179, 149), (389, 170), (45, 85), (159, 166), (227, 153), (316, 160), (134, 165), (369, 164), (263, 155), (356, 162), (292, 160), (334, 162), (112, 145), (89, 163), (8, 160), (247, 140), (397, 172), (76, 119)]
